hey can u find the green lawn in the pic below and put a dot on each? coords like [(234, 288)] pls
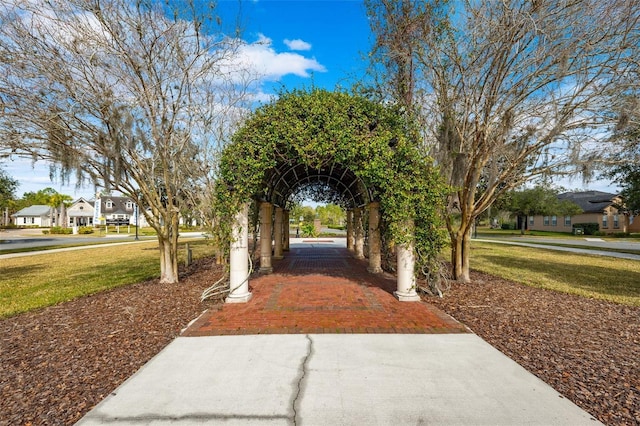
[(32, 282), (607, 278)]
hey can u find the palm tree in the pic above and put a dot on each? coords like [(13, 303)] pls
[(56, 200)]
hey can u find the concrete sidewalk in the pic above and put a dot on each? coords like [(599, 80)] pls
[(329, 379)]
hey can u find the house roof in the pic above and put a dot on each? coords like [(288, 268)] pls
[(82, 199), (119, 205), (590, 201), (77, 209), (33, 211)]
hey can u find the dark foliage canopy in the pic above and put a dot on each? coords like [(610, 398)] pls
[(348, 149)]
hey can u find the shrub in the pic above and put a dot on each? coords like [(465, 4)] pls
[(589, 228), (598, 234), (621, 234), (508, 225), (85, 230), (60, 230), (45, 231), (308, 230)]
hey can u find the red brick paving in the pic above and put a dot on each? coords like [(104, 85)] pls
[(323, 290)]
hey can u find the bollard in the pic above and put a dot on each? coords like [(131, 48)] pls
[(189, 256)]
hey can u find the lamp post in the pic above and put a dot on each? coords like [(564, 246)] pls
[(137, 222)]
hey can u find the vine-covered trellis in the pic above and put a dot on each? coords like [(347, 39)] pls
[(316, 128)]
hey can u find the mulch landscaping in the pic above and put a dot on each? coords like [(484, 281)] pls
[(57, 363)]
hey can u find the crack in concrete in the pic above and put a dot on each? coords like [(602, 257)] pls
[(300, 383)]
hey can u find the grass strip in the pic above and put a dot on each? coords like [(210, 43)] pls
[(585, 247), (33, 282), (55, 247), (599, 277), (567, 245)]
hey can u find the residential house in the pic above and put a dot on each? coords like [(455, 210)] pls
[(597, 207), (80, 213), (37, 216), (113, 210)]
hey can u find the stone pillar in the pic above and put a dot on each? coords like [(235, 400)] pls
[(285, 242), (239, 258), (359, 233), (375, 263), (350, 239), (406, 290), (265, 237), (278, 234)]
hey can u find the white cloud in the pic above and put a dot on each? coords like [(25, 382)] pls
[(262, 97), (297, 44), (269, 64)]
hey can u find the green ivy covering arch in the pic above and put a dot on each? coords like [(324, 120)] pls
[(372, 140)]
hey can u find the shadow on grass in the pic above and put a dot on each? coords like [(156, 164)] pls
[(16, 272)]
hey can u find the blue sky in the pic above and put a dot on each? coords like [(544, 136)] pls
[(295, 43)]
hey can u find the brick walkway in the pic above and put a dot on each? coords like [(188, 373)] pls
[(322, 290)]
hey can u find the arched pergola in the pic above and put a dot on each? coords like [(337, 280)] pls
[(355, 150)]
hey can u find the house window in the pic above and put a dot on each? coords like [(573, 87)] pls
[(33, 220), (530, 220), (109, 204), (616, 223), (567, 221), (554, 220), (24, 220), (129, 205), (545, 221), (605, 220)]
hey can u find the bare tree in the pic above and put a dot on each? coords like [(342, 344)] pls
[(129, 94), (513, 90)]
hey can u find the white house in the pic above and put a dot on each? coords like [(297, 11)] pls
[(81, 213), (36, 215), (116, 210)]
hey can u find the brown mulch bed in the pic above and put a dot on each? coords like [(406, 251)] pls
[(588, 350), (58, 362)]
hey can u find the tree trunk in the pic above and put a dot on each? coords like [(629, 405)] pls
[(523, 225), (168, 244), (63, 215), (460, 252)]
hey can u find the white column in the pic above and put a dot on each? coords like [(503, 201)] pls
[(285, 242), (350, 240), (278, 234), (265, 237), (406, 290), (375, 259), (239, 258), (359, 233)]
